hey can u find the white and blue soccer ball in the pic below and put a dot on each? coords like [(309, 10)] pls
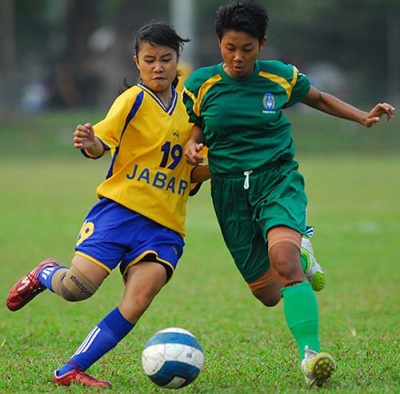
[(172, 358)]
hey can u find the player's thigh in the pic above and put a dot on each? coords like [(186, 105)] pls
[(146, 277), (144, 280), (93, 272), (285, 204), (106, 234), (241, 233)]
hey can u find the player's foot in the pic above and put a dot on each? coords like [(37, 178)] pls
[(313, 272), (28, 287), (317, 367), (79, 377)]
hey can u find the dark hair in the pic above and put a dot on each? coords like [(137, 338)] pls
[(159, 33), (242, 16)]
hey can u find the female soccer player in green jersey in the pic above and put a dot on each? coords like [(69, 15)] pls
[(139, 222), (257, 191)]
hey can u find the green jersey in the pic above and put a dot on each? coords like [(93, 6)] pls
[(244, 126)]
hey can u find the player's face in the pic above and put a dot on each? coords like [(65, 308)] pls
[(239, 51), (157, 66)]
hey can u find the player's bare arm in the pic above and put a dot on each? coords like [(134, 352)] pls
[(200, 174), (333, 106), (84, 138), (194, 146)]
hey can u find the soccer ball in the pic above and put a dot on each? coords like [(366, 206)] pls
[(172, 358)]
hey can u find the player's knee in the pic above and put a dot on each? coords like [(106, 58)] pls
[(73, 286)]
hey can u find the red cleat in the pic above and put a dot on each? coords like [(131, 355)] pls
[(79, 377), (27, 287)]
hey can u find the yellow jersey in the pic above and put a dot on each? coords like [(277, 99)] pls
[(148, 172)]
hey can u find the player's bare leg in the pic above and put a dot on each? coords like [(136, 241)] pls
[(144, 281)]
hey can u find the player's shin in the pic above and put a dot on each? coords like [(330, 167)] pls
[(302, 316), (104, 337)]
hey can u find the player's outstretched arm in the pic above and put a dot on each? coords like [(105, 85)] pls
[(84, 138), (333, 106)]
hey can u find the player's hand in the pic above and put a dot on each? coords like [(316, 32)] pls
[(377, 112), (192, 150), (84, 137)]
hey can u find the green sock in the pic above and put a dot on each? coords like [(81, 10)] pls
[(301, 312)]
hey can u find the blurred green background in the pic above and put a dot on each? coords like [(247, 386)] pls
[(75, 53)]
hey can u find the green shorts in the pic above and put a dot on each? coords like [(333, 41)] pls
[(274, 196)]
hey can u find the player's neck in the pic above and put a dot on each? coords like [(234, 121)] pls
[(165, 96)]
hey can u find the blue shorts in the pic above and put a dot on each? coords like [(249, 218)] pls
[(113, 234)]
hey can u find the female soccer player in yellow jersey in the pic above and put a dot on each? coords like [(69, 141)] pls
[(139, 222), (257, 191)]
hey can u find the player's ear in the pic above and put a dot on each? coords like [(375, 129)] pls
[(136, 60), (263, 42)]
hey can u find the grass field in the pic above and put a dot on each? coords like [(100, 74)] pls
[(354, 193)]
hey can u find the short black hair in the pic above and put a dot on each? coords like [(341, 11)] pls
[(243, 16), (159, 33)]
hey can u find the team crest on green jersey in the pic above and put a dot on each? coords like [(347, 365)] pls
[(269, 103)]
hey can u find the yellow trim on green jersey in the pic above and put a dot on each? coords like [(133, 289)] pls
[(243, 119), (288, 87), (295, 75), (205, 87), (148, 172)]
